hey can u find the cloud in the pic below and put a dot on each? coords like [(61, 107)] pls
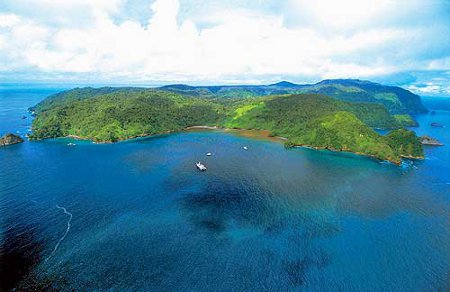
[(428, 88), (217, 46), (336, 15), (8, 20)]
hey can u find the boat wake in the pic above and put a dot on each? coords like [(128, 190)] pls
[(65, 233)]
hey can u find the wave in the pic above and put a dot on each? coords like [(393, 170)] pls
[(65, 233)]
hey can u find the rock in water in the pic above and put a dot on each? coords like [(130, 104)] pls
[(427, 140), (10, 139)]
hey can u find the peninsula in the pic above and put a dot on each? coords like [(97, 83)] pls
[(317, 120)]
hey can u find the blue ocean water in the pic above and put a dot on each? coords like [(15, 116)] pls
[(137, 215)]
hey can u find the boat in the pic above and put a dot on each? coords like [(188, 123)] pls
[(437, 125), (208, 154), (71, 144), (245, 147), (200, 166)]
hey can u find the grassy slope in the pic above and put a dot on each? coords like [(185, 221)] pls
[(306, 119)]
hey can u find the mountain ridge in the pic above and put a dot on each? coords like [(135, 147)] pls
[(396, 99)]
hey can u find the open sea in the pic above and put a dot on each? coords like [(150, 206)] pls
[(138, 215)]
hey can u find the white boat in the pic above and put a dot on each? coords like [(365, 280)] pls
[(71, 144), (245, 147), (208, 154), (200, 166)]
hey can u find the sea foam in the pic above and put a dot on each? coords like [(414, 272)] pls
[(65, 233)]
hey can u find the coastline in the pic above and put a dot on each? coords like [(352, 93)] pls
[(249, 133), (398, 163)]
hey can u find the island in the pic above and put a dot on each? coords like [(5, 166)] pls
[(427, 140), (304, 119), (10, 139)]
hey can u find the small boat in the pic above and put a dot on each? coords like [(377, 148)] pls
[(245, 148), (71, 144), (437, 125), (200, 166), (208, 154)]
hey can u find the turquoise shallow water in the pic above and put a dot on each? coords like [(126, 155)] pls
[(137, 215)]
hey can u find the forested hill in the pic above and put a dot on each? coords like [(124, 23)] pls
[(397, 100), (114, 114)]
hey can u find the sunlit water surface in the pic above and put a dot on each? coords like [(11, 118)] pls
[(137, 215)]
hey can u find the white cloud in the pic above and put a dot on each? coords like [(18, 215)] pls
[(8, 20), (237, 45), (429, 88), (338, 14)]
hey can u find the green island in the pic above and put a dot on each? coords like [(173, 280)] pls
[(317, 120)]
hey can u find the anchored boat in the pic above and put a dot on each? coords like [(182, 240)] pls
[(200, 166)]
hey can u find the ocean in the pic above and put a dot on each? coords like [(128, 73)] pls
[(137, 215)]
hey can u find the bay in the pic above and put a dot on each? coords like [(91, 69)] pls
[(138, 215)]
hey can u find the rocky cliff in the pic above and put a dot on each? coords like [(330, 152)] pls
[(10, 139)]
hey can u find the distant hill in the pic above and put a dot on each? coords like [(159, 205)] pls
[(397, 100)]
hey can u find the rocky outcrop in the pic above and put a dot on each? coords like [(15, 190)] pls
[(427, 140), (10, 139)]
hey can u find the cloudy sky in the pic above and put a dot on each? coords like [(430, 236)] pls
[(401, 42)]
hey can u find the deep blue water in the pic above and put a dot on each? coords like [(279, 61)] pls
[(137, 215)]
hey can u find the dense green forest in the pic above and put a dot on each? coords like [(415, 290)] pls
[(121, 114), (324, 122), (114, 114)]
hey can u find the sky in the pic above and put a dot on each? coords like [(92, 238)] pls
[(404, 42)]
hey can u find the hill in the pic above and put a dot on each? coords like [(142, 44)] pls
[(397, 100), (323, 122), (119, 114)]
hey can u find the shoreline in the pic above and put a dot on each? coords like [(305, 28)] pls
[(249, 133), (398, 163)]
